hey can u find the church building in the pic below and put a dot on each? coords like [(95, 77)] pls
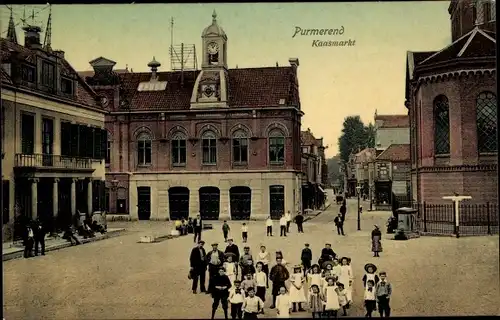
[(220, 142), (451, 96)]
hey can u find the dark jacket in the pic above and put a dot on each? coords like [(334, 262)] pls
[(306, 255), (299, 219), (195, 259), (221, 281), (197, 224), (247, 269), (338, 221), (221, 258), (234, 250), (343, 210), (279, 273), (375, 233), (39, 231), (326, 253)]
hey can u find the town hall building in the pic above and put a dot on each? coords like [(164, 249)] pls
[(220, 142), (451, 96)]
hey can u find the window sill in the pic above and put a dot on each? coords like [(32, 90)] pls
[(240, 165), (209, 164), (178, 165), (487, 154), (444, 155), (144, 165)]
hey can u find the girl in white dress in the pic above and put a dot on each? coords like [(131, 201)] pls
[(314, 277), (297, 293), (231, 269), (331, 295), (346, 278), (283, 304), (336, 269), (370, 274), (342, 298)]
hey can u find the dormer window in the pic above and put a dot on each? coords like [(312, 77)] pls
[(28, 73), (67, 86), (48, 74)]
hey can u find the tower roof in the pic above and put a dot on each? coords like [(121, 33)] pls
[(11, 31), (214, 29)]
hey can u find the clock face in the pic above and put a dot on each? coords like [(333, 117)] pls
[(213, 48), (208, 91)]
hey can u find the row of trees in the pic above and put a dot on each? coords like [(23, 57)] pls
[(355, 136)]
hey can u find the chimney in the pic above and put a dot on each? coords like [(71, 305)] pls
[(294, 62), (32, 37), (154, 68), (59, 53)]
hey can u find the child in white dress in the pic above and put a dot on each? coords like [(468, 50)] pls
[(336, 269), (231, 269), (346, 278), (331, 295), (342, 297), (297, 293), (370, 274), (314, 277), (283, 304)]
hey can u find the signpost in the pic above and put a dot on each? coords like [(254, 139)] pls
[(358, 189), (456, 200)]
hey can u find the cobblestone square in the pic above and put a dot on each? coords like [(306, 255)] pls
[(119, 278)]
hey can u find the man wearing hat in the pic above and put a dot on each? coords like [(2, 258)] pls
[(215, 260), (327, 254), (197, 227), (278, 275), (306, 258), (198, 264)]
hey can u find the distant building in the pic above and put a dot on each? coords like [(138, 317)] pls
[(364, 170), (221, 142), (391, 129), (53, 136), (313, 167), (451, 96)]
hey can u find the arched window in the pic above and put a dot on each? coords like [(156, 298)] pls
[(179, 149), (441, 126), (209, 147), (240, 147), (486, 120), (276, 147), (144, 149)]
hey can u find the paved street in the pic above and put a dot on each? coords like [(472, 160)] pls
[(121, 279)]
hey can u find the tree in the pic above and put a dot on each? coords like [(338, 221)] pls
[(334, 175), (370, 135)]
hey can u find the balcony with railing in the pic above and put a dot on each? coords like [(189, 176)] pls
[(51, 161)]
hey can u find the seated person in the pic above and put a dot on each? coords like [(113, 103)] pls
[(178, 225), (183, 227), (68, 235), (97, 228), (88, 229)]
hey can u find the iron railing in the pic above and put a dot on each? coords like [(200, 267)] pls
[(52, 161)]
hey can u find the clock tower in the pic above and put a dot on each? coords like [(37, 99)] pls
[(210, 89)]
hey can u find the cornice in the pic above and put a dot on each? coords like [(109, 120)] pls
[(460, 168), (456, 74)]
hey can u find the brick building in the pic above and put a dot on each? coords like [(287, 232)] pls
[(217, 141), (391, 129), (314, 173), (452, 103), (53, 136)]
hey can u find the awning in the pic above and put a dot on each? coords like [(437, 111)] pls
[(321, 189)]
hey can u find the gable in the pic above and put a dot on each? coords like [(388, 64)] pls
[(102, 62)]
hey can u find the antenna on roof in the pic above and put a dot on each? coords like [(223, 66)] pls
[(48, 32)]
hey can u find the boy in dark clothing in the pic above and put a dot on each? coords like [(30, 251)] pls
[(306, 258), (28, 242), (339, 222), (220, 292), (247, 268), (225, 230), (39, 237), (299, 220)]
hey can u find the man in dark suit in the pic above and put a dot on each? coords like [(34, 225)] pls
[(197, 227), (39, 231), (233, 248), (198, 262), (215, 260)]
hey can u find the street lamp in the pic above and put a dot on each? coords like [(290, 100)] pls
[(358, 189)]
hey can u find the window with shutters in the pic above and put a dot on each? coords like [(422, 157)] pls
[(179, 149), (89, 145), (28, 133), (65, 138), (144, 149), (97, 154), (82, 141), (108, 147), (441, 126), (486, 122), (74, 139)]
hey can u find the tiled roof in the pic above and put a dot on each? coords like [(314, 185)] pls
[(476, 43), (247, 87), (307, 138), (393, 121), (396, 153), (84, 94), (366, 155)]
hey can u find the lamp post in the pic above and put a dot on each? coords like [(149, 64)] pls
[(358, 189)]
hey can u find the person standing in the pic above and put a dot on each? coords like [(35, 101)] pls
[(198, 264), (299, 220), (264, 257), (236, 299), (215, 259), (28, 242), (244, 232), (343, 211), (370, 298), (252, 305), (233, 248), (383, 291), (269, 227), (297, 293), (288, 217), (339, 222), (283, 304), (39, 236), (225, 230), (278, 275), (306, 258), (283, 224), (376, 241), (260, 283), (220, 292), (197, 227)]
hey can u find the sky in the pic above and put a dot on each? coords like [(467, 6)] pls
[(335, 82)]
